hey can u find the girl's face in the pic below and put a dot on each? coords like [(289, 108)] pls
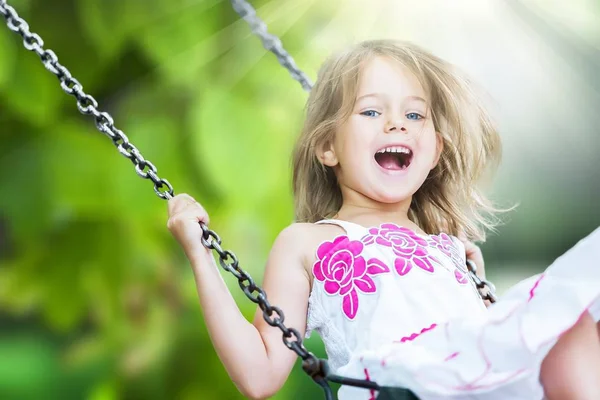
[(388, 145)]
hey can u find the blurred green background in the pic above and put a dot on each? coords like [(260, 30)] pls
[(97, 300)]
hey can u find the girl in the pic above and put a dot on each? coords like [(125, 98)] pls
[(385, 181)]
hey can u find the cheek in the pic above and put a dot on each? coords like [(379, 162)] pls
[(356, 146), (428, 150)]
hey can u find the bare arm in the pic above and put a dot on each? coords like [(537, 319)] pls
[(253, 354)]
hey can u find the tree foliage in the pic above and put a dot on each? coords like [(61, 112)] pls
[(97, 299)]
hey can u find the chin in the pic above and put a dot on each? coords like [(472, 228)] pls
[(393, 197)]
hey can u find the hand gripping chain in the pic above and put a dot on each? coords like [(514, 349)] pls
[(144, 168)]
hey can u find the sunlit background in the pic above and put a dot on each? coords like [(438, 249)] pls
[(97, 300)]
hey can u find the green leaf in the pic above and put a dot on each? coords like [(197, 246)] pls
[(107, 390), (89, 172), (79, 265), (32, 92), (154, 136), (28, 368), (80, 162), (25, 195), (233, 144), (107, 24), (179, 36)]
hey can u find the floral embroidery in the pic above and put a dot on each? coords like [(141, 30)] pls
[(461, 278), (446, 245), (345, 272), (410, 248)]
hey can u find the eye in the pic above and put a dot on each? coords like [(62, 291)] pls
[(414, 116), (370, 113)]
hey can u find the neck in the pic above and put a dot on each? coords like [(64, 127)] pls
[(368, 212)]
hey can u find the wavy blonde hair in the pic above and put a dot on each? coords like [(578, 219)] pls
[(450, 199)]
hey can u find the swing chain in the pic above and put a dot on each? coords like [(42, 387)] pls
[(85, 103), (270, 42), (486, 289), (272, 315), (145, 169)]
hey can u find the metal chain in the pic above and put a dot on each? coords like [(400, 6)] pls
[(272, 314), (270, 42), (85, 103), (486, 289), (145, 169)]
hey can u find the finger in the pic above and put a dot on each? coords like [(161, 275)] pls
[(474, 251), (470, 247), (200, 213), (179, 202), (191, 214), (184, 221), (193, 211), (474, 254)]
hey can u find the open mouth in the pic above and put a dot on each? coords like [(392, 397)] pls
[(395, 158)]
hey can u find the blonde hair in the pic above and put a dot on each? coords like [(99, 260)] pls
[(449, 200)]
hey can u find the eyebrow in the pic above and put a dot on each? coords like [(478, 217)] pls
[(377, 95)]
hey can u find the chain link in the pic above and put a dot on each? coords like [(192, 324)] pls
[(272, 315), (270, 42), (486, 289), (145, 169), (86, 104)]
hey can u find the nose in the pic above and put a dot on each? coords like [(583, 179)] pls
[(394, 125)]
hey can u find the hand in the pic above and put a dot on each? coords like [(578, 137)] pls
[(185, 214), (474, 254)]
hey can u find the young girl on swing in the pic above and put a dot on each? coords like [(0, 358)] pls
[(386, 174)]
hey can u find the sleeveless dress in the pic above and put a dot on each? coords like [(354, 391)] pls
[(399, 308)]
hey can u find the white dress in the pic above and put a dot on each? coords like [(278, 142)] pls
[(398, 308)]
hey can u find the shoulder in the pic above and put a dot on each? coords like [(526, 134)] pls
[(301, 239)]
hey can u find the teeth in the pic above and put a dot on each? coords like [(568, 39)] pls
[(395, 149)]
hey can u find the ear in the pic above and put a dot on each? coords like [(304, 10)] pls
[(439, 146), (326, 155)]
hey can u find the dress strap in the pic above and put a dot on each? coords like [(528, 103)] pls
[(353, 230)]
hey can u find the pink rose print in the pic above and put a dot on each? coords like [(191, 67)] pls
[(345, 272), (461, 277), (410, 248), (446, 245)]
